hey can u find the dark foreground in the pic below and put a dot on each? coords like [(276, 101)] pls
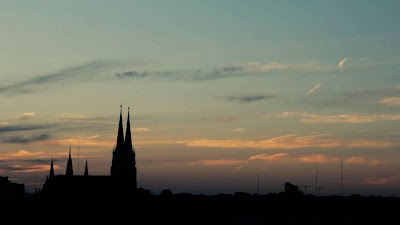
[(240, 208)]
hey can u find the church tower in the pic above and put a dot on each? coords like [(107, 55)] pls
[(69, 171), (123, 165)]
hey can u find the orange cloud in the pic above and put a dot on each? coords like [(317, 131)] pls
[(267, 157), (317, 158), (219, 162), (383, 181), (283, 142), (21, 154), (390, 101), (361, 160), (369, 144), (29, 169)]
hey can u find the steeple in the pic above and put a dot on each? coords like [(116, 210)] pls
[(128, 137), (51, 169), (69, 171), (86, 170), (120, 137), (123, 163)]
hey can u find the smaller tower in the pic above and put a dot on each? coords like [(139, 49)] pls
[(86, 170), (69, 171), (51, 175)]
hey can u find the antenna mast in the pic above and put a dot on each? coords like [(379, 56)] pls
[(79, 142), (35, 183), (341, 178), (258, 185), (316, 179)]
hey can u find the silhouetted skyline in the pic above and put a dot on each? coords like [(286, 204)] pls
[(225, 96)]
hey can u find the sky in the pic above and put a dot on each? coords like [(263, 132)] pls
[(224, 96)]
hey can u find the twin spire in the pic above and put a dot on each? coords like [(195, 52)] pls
[(121, 141)]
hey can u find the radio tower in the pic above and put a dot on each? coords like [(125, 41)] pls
[(258, 185), (316, 179)]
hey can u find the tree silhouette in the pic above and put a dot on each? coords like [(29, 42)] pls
[(292, 190)]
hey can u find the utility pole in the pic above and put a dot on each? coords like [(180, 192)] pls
[(305, 189), (319, 191), (258, 185)]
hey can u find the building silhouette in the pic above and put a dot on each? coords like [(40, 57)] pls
[(122, 178), (10, 190)]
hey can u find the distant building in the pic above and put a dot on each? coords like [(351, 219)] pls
[(10, 190), (122, 178)]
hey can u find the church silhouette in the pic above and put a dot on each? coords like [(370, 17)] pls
[(122, 178)]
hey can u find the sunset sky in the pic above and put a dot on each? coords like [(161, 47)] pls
[(220, 92)]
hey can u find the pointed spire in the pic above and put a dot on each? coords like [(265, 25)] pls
[(120, 137), (69, 171), (86, 170), (51, 169), (128, 137)]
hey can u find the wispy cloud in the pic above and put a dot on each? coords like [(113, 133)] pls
[(313, 89), (341, 118), (102, 69), (13, 128), (218, 162), (341, 64), (317, 158), (27, 115), (312, 158), (378, 92), (347, 118), (370, 144), (390, 101), (244, 69), (239, 130), (268, 157), (25, 140), (361, 160), (26, 169), (291, 141), (24, 155), (249, 98), (141, 129), (73, 74)]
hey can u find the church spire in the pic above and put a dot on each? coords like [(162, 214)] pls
[(128, 137), (120, 137), (51, 169), (86, 170), (69, 171)]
